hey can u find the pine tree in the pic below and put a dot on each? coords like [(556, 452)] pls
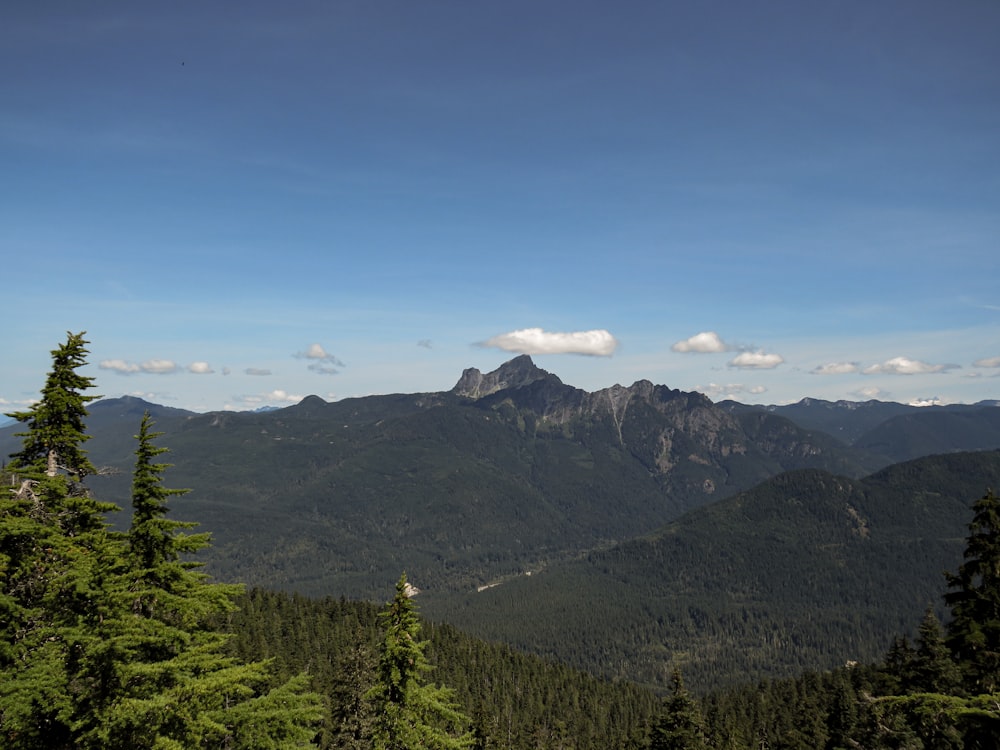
[(108, 640), (56, 430), (156, 665), (934, 671), (410, 713), (950, 700), (679, 725), (54, 544), (974, 630)]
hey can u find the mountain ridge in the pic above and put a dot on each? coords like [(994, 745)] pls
[(507, 470)]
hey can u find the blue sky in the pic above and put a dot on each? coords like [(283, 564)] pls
[(244, 204)]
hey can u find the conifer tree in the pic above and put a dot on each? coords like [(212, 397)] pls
[(410, 713), (157, 666), (53, 546), (934, 670), (679, 725), (107, 640), (56, 429), (944, 704), (974, 630)]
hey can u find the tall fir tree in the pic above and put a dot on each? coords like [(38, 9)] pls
[(410, 713), (108, 640), (933, 669), (974, 628), (679, 725), (53, 546), (157, 665), (56, 422)]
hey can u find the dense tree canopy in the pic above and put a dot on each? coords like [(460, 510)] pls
[(974, 599), (112, 640), (409, 712)]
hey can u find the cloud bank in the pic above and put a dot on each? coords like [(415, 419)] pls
[(706, 342), (906, 366), (989, 362), (596, 343), (278, 395), (758, 360), (836, 368), (151, 366), (729, 391)]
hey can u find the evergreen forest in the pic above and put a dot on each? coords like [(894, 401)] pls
[(113, 636)]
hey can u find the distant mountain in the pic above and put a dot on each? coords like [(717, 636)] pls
[(509, 469), (513, 471), (933, 430), (896, 432), (804, 571), (845, 420)]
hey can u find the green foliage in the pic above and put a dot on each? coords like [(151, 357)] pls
[(56, 430), (932, 670), (53, 548), (109, 640), (410, 713), (974, 630), (680, 725), (804, 572), (515, 701), (943, 694)]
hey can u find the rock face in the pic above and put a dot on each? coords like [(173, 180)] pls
[(516, 373), (667, 430)]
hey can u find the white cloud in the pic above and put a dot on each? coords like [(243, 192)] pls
[(702, 343), (729, 391), (324, 363), (425, 343), (159, 366), (597, 343), (989, 362), (905, 366), (870, 392), (758, 360), (150, 366), (278, 396), (315, 351), (120, 366), (7, 403), (256, 371), (200, 368), (836, 368)]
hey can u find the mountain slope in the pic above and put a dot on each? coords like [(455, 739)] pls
[(896, 432), (508, 470), (910, 435), (806, 570)]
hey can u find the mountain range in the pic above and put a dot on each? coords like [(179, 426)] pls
[(597, 494)]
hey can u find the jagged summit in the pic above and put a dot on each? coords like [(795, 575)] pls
[(516, 373)]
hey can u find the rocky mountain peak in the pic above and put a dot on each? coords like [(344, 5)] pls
[(516, 373)]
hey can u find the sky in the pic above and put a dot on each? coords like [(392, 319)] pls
[(243, 204)]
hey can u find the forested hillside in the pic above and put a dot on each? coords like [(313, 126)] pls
[(114, 639), (805, 571), (507, 471), (893, 432)]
